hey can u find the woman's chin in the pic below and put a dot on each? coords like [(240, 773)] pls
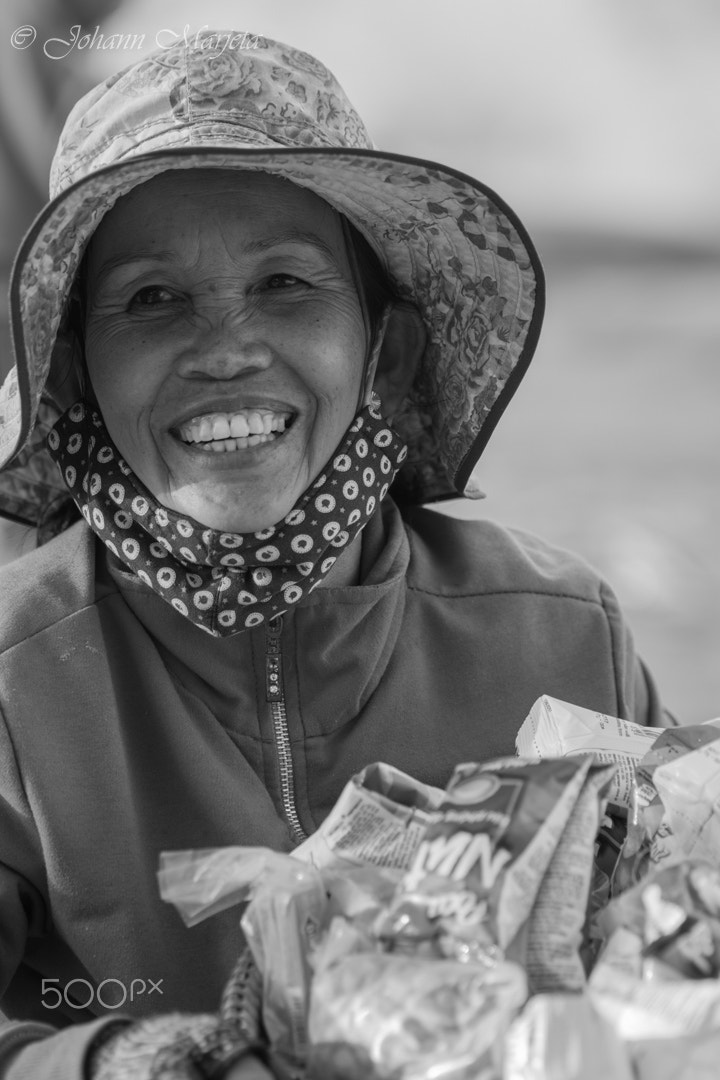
[(240, 492), (224, 512)]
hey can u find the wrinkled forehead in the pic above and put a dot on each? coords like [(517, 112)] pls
[(250, 209)]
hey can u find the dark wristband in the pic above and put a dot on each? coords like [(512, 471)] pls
[(206, 1058), (94, 1054)]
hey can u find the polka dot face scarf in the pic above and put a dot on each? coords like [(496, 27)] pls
[(226, 582)]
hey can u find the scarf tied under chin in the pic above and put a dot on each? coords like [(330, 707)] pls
[(226, 582)]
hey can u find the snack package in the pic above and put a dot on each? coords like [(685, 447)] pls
[(609, 849), (477, 872), (428, 992), (693, 1058), (674, 914), (689, 789), (657, 832), (379, 819), (641, 1009), (555, 729), (562, 1037), (394, 1017), (657, 976), (558, 926)]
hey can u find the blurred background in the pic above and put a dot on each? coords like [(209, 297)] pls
[(597, 121)]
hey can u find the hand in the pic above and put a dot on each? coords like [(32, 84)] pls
[(128, 1052), (249, 1068)]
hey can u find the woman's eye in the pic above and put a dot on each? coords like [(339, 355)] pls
[(282, 281), (151, 296)]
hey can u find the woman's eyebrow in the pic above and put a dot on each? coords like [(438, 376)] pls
[(266, 243), (117, 262), (259, 246)]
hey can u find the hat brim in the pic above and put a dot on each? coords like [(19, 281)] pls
[(450, 245)]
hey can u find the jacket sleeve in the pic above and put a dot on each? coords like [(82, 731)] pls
[(29, 1050), (637, 695)]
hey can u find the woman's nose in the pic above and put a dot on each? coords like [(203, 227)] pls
[(227, 348)]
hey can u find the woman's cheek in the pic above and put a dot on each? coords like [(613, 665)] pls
[(121, 360)]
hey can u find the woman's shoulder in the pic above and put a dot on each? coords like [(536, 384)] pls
[(46, 585), (481, 556)]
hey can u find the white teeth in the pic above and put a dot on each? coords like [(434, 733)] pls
[(205, 430), (255, 423), (220, 427), (220, 446), (238, 427)]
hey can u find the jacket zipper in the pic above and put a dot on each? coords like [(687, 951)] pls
[(275, 695)]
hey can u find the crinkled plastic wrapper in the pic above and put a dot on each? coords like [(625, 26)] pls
[(675, 915), (563, 1037), (409, 947), (696, 1058), (674, 794), (408, 1018), (657, 977)]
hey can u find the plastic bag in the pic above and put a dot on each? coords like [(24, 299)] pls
[(562, 1037), (399, 1017)]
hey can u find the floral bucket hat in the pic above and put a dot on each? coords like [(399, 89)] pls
[(234, 101)]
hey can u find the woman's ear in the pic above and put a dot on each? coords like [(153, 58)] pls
[(65, 383), (67, 376), (397, 355)]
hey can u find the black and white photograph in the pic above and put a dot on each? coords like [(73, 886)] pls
[(359, 575)]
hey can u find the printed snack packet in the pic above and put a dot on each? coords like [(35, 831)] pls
[(477, 872), (558, 946), (555, 728), (429, 991), (379, 820)]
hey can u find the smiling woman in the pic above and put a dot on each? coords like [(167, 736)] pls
[(249, 346), (225, 320)]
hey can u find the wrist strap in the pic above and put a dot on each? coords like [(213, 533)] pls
[(205, 1058)]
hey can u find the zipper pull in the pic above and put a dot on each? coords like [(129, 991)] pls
[(273, 660)]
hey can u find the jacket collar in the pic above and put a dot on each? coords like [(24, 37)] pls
[(336, 643)]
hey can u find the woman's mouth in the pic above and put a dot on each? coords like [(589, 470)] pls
[(224, 432)]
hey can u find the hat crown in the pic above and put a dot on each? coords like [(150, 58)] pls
[(217, 89)]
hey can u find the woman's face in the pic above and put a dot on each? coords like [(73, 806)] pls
[(225, 341)]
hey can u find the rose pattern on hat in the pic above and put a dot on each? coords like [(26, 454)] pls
[(215, 78)]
